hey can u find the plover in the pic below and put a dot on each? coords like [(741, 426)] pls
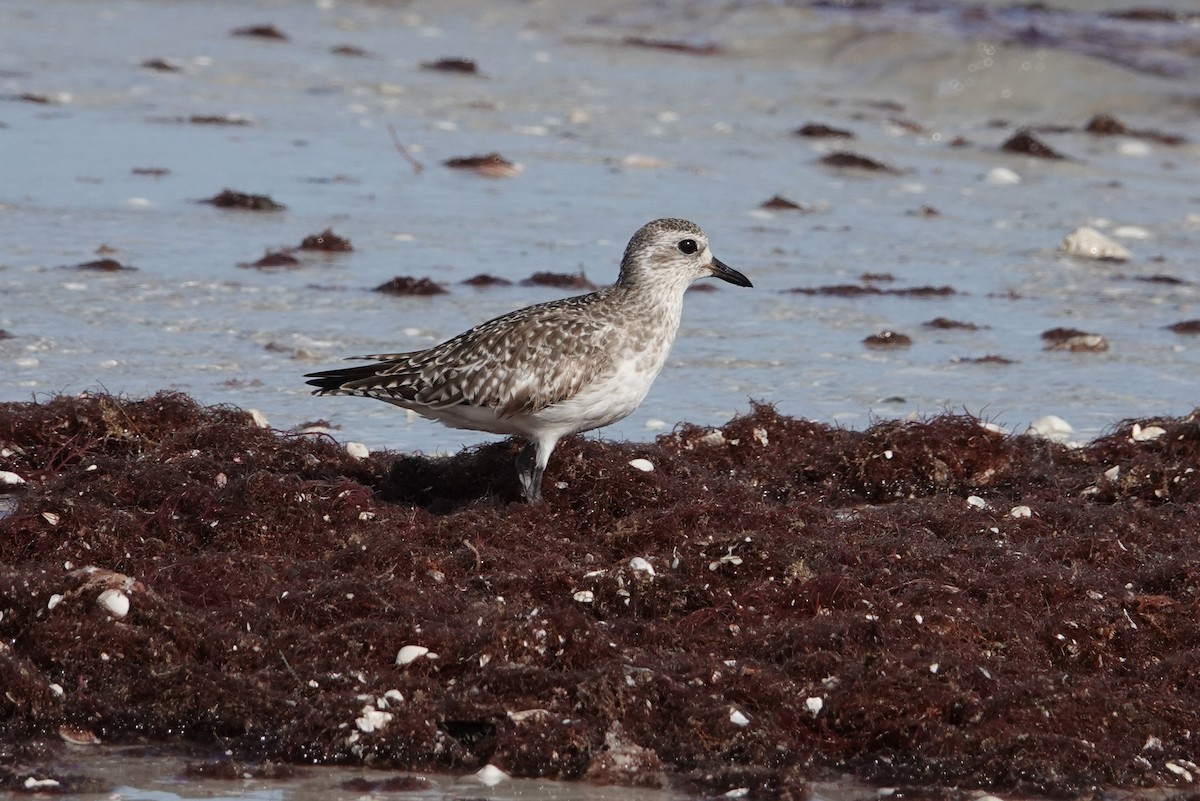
[(552, 369)]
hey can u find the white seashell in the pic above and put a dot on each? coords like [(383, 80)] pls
[(115, 602), (10, 478), (1147, 434), (1020, 511), (584, 596), (640, 565), (1051, 427), (490, 775), (40, 784), (358, 450), (977, 502), (760, 436), (51, 517), (1088, 243), (738, 792), (372, 719), (258, 418), (737, 718), (1113, 473), (410, 653), (54, 601), (645, 465), (1001, 176), (814, 705)]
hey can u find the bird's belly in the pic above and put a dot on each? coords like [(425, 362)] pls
[(603, 402)]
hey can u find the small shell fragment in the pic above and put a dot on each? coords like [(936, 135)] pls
[(814, 705), (410, 653), (1147, 434), (490, 775), (358, 450), (54, 601), (259, 419), (584, 596), (115, 602), (639, 565), (51, 517), (645, 465), (737, 718), (976, 502), (10, 478), (372, 719), (1001, 176), (1020, 511)]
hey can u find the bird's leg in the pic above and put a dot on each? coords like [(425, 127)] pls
[(529, 473)]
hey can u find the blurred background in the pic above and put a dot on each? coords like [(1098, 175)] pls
[(911, 168)]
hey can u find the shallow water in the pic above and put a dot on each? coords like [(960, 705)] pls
[(563, 96)]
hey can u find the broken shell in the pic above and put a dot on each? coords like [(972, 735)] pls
[(358, 450), (1020, 511), (640, 565), (10, 478), (584, 596), (976, 502), (814, 705), (737, 718), (410, 653), (1147, 434), (645, 465)]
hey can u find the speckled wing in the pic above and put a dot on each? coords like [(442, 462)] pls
[(519, 363)]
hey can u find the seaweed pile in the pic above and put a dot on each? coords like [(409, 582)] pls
[(928, 604)]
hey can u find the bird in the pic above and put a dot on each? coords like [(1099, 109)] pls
[(546, 371)]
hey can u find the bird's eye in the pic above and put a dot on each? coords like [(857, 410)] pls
[(688, 246)]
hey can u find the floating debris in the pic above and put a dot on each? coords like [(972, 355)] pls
[(816, 130), (352, 51), (103, 266), (946, 324), (1074, 340), (559, 280), (326, 241), (484, 280), (462, 66), (695, 48), (273, 259), (260, 32), (161, 65), (780, 203), (489, 165), (844, 159), (229, 199), (888, 339), (857, 290), (1183, 327), (407, 285), (1025, 143)]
